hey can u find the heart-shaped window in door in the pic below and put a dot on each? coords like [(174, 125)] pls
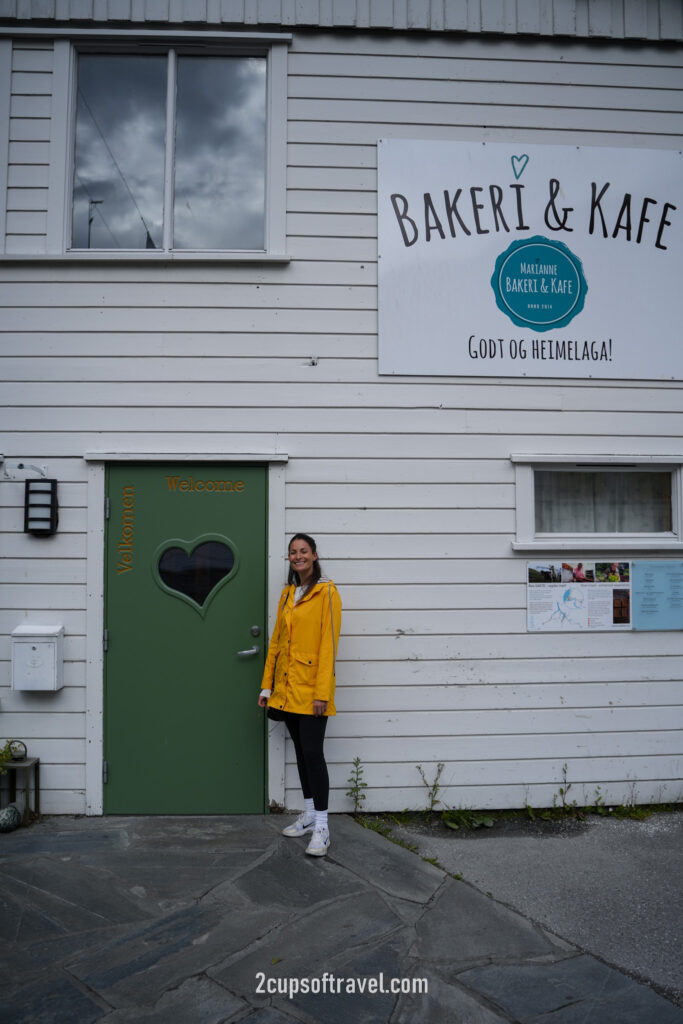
[(195, 570)]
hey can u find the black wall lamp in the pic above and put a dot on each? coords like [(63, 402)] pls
[(41, 511)]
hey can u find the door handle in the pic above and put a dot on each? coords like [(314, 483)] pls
[(249, 652)]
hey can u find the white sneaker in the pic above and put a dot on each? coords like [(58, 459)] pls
[(320, 842), (299, 827)]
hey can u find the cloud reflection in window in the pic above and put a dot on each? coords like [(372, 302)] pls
[(220, 154)]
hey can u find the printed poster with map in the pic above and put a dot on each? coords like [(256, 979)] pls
[(578, 596)]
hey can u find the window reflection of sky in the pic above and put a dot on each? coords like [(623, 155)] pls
[(124, 121), (220, 152)]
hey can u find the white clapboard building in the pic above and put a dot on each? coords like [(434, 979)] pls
[(402, 274)]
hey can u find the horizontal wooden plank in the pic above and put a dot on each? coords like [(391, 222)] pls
[(70, 521), (41, 444), (487, 682), (25, 245), (401, 494), (486, 67), (130, 296), (170, 320), (56, 596), (62, 545), (169, 352), (416, 696), (415, 571), (63, 801), (30, 106), (31, 60), (332, 117), (32, 83), (322, 156), (27, 176), (343, 745), (412, 521), (29, 129), (355, 179), (439, 622), (212, 277), (353, 362), (494, 797), (421, 595), (71, 698), (406, 647), (73, 621), (442, 422), (59, 725), (546, 771), (494, 92), (40, 570), (379, 471), (26, 199), (70, 495), (26, 222), (74, 647), (210, 389)]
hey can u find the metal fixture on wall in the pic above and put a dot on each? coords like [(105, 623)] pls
[(41, 511)]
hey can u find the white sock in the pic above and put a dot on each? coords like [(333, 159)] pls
[(321, 819), (309, 810)]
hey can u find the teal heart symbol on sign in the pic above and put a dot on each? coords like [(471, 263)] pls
[(518, 164), (195, 570)]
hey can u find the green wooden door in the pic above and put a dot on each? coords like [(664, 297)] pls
[(185, 592)]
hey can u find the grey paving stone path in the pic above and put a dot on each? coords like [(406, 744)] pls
[(217, 920)]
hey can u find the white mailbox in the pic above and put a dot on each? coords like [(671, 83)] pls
[(38, 658)]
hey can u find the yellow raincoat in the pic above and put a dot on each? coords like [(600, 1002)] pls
[(301, 654)]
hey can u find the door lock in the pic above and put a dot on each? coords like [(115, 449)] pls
[(255, 631)]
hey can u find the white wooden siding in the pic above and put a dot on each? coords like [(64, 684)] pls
[(627, 19), (406, 483)]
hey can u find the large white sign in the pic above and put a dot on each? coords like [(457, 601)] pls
[(510, 260)]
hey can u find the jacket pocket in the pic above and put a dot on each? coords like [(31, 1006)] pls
[(306, 667)]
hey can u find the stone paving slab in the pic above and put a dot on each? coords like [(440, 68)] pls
[(465, 925), (381, 863), (137, 970), (572, 991), (307, 945), (288, 878)]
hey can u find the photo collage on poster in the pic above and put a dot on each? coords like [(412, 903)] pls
[(578, 596)]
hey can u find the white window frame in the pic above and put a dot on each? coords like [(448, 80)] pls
[(528, 539), (68, 43)]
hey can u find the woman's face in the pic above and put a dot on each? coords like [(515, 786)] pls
[(301, 558)]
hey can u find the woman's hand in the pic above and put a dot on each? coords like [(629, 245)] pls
[(262, 700), (319, 708)]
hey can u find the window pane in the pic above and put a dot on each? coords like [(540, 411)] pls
[(601, 502), (196, 575), (220, 153), (119, 165)]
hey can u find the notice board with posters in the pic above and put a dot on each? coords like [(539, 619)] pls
[(604, 595), (514, 260)]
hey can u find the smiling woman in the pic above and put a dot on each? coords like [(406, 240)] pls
[(206, 165)]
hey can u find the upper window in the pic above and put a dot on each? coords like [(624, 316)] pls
[(173, 153), (630, 502)]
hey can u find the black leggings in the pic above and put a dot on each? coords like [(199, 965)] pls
[(308, 735)]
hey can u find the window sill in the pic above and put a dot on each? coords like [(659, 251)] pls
[(613, 543), (146, 256)]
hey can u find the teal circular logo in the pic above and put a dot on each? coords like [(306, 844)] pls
[(539, 283)]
